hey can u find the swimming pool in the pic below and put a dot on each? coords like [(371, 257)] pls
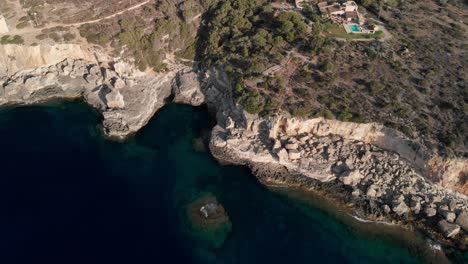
[(355, 28)]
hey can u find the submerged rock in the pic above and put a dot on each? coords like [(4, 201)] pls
[(208, 221)]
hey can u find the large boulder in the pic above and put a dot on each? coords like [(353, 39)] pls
[(339, 168), (118, 84), (430, 211), (115, 100), (415, 205), (372, 191), (292, 146), (400, 208), (462, 220), (450, 216), (351, 178), (187, 89), (449, 230), (294, 154), (282, 155)]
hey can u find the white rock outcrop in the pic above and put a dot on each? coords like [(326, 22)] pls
[(3, 25)]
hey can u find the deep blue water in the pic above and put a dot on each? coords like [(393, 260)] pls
[(67, 195)]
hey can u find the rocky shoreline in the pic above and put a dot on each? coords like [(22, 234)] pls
[(378, 184), (379, 172)]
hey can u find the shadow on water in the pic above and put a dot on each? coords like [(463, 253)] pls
[(70, 196)]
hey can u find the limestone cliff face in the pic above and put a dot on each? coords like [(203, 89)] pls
[(372, 133), (14, 58), (447, 172)]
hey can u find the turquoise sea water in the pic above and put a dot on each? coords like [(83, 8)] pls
[(70, 196)]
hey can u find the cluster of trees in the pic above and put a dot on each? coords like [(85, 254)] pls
[(290, 26), (248, 36), (99, 34)]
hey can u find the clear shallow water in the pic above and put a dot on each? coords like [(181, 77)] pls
[(69, 196)]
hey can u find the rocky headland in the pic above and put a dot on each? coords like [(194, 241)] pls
[(380, 171)]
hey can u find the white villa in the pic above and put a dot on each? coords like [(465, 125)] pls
[(342, 12), (346, 12)]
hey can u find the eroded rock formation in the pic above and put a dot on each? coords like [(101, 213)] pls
[(126, 99)]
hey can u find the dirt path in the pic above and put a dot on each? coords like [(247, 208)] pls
[(15, 31)]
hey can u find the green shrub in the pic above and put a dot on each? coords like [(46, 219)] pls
[(328, 67), (188, 53), (55, 36), (327, 114), (302, 92), (300, 110), (68, 36), (345, 116), (16, 39), (271, 106), (41, 36), (22, 25), (253, 103)]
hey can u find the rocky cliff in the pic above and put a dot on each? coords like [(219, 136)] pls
[(125, 97), (374, 167)]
